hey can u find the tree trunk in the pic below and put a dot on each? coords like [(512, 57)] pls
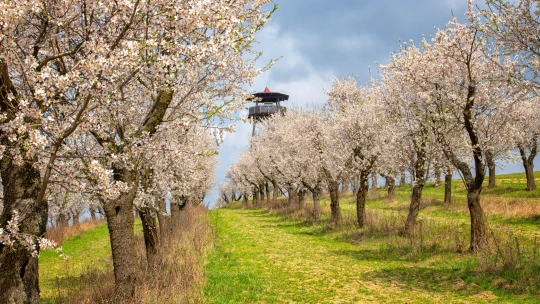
[(402, 180), (414, 207), (244, 200), (374, 180), (355, 185), (418, 186), (267, 187), (300, 198), (437, 174), (528, 163), (275, 191), (18, 269), (261, 192), (120, 218), (255, 197), (150, 234), (164, 220), (491, 169), (92, 213), (478, 228), (333, 188), (361, 197), (529, 172), (63, 221), (75, 216), (316, 204), (177, 205), (391, 188), (293, 195), (448, 187), (343, 188)]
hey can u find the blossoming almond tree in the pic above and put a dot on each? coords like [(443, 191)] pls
[(527, 125), (401, 98), (54, 59), (297, 136), (363, 130), (462, 99)]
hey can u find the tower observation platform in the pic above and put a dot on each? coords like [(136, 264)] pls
[(266, 104)]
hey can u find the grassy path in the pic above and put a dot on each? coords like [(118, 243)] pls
[(261, 258)]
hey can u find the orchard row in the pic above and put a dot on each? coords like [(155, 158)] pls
[(462, 100), (113, 106)]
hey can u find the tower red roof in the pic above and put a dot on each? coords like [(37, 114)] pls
[(267, 90)]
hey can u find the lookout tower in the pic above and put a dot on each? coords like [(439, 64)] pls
[(266, 104)]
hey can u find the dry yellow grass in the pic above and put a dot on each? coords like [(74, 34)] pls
[(511, 207), (58, 235), (179, 279)]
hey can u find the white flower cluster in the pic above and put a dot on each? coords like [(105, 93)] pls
[(11, 236)]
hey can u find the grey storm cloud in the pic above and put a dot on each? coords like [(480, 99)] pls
[(346, 37)]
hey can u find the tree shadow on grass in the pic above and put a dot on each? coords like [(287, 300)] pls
[(463, 278), (430, 280)]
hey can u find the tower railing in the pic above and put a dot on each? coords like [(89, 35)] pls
[(262, 110)]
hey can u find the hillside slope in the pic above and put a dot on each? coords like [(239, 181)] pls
[(282, 257)]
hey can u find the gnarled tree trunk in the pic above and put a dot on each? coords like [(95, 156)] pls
[(333, 188), (150, 234), (361, 197), (478, 225), (18, 269), (120, 218), (528, 163), (418, 186)]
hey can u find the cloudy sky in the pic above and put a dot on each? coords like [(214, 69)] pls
[(317, 39)]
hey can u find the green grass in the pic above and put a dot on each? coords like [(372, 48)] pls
[(263, 257), (87, 254)]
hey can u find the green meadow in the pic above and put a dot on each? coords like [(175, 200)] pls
[(279, 254)]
